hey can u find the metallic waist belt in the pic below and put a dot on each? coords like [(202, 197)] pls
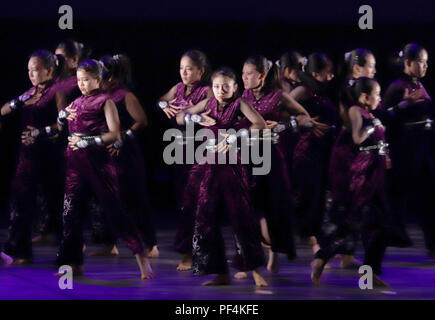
[(381, 148)]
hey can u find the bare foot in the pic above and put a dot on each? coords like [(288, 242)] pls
[(42, 238), (105, 251), (153, 253), (146, 272), (349, 262), (5, 259), (316, 271), (378, 282), (19, 262), (186, 263), (241, 275), (273, 265), (220, 280), (258, 278)]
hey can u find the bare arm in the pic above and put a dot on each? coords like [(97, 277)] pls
[(198, 108), (113, 124), (358, 132), (168, 96), (136, 111), (252, 115)]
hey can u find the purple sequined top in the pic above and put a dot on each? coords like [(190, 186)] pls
[(226, 117), (197, 94), (44, 111), (90, 117), (266, 105)]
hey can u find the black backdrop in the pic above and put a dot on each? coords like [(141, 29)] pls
[(155, 48)]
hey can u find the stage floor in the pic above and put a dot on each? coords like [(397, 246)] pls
[(407, 271)]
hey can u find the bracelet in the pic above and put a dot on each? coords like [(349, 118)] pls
[(231, 139), (376, 122), (61, 118), (90, 141), (370, 130), (195, 118), (163, 104)]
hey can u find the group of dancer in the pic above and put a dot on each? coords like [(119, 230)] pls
[(341, 169)]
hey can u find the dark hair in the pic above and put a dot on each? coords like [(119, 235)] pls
[(410, 52), (290, 59), (360, 86), (226, 72), (355, 57), (73, 48), (316, 62), (271, 82), (55, 61), (94, 67), (201, 61), (119, 67)]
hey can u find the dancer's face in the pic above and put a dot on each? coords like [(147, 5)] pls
[(87, 82), (251, 77), (71, 62), (418, 68), (374, 98), (224, 88), (38, 73), (368, 70), (189, 71), (324, 75)]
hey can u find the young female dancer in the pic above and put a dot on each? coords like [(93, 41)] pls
[(40, 159), (367, 214), (210, 184), (73, 53), (194, 87), (411, 137), (359, 63), (93, 122), (128, 155), (289, 65), (311, 153), (272, 192)]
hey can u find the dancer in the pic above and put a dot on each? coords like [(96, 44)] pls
[(40, 159), (211, 184), (73, 52), (195, 74), (368, 214), (127, 153), (93, 122), (272, 192), (312, 153), (289, 65), (358, 63), (411, 137)]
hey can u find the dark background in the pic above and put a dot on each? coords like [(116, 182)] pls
[(155, 34)]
